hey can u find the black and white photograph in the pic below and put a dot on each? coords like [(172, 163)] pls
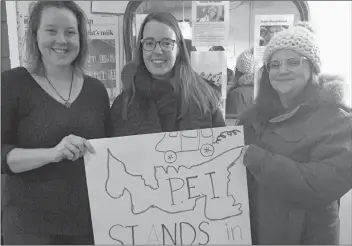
[(176, 122), (267, 32), (210, 13)]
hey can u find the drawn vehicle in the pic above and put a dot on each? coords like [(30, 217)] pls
[(186, 141)]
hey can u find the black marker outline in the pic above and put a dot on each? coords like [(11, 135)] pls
[(181, 211), (180, 136)]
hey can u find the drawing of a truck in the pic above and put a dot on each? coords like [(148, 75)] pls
[(186, 141)]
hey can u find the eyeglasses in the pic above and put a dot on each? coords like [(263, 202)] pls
[(291, 64), (165, 44)]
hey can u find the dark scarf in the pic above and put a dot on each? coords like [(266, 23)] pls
[(158, 99)]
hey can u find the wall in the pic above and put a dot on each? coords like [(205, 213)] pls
[(5, 50)]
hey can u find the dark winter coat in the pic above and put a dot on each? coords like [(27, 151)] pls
[(300, 165), (241, 97), (155, 108)]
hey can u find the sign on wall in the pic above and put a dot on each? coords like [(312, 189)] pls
[(210, 23), (178, 188)]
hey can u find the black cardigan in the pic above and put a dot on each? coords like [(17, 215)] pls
[(52, 199)]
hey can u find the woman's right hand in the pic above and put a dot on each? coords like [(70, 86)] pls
[(72, 148)]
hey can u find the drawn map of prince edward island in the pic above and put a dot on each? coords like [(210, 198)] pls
[(174, 188)]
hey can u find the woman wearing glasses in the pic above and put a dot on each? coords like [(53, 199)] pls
[(161, 92), (299, 145)]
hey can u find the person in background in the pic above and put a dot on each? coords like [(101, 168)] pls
[(298, 151), (161, 91), (49, 110), (241, 95)]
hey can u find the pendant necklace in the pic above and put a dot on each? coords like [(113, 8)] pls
[(66, 102)]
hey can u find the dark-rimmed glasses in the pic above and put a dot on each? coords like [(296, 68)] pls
[(291, 64), (166, 44)]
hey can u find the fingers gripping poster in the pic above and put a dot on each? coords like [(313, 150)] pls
[(177, 188)]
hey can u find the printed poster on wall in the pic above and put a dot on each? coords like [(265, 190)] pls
[(101, 60), (212, 66), (173, 188), (265, 27), (210, 23)]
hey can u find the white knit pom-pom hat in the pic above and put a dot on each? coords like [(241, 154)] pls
[(245, 62), (299, 38)]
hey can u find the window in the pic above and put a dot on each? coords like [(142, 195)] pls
[(101, 75), (103, 58), (111, 74), (112, 58), (92, 59)]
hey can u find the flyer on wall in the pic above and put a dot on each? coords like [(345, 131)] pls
[(212, 66), (102, 62), (210, 23), (265, 27)]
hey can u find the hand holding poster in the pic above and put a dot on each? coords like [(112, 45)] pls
[(179, 188)]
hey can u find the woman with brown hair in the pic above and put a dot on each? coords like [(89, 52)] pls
[(161, 91), (48, 111), (299, 145)]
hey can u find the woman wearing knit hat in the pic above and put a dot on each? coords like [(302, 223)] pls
[(240, 96), (298, 147)]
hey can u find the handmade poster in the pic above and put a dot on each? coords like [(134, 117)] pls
[(110, 7), (210, 23), (212, 66), (179, 188), (265, 27)]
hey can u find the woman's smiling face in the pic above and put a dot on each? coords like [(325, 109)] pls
[(159, 62), (58, 36)]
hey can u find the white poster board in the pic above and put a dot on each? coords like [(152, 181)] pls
[(212, 65), (185, 188), (265, 27), (210, 23)]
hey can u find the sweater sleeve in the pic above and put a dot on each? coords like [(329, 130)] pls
[(326, 178), (9, 116)]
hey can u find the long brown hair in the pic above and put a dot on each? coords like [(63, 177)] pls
[(33, 56), (190, 85)]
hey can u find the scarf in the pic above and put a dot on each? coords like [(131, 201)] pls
[(158, 99)]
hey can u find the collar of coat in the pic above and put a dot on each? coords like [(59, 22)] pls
[(246, 80), (329, 90)]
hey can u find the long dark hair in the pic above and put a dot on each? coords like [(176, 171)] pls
[(33, 55), (190, 86)]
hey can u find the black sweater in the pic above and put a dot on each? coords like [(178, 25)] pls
[(52, 199)]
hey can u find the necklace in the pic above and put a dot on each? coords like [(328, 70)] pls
[(66, 102)]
